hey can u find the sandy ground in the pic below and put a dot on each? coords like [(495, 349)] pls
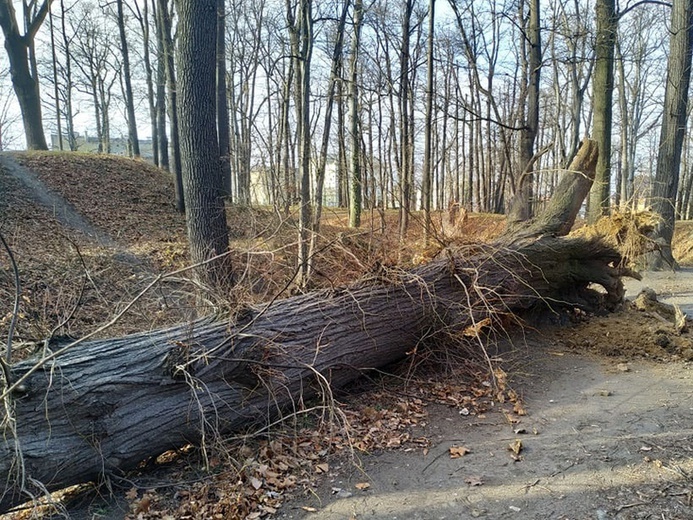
[(603, 439)]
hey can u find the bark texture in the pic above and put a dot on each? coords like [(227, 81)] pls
[(560, 213), (202, 183)]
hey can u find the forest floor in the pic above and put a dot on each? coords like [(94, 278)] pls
[(579, 417)]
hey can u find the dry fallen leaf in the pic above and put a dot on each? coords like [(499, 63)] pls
[(309, 509), (518, 409), (131, 494), (256, 483), (474, 330), (143, 505), (322, 468), (458, 451), (362, 485), (515, 446)]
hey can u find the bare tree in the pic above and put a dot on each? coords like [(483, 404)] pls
[(300, 21), (204, 193), (222, 101), (603, 87), (126, 74), (22, 54), (142, 16), (92, 58), (165, 34), (666, 181), (428, 128), (355, 166), (521, 207)]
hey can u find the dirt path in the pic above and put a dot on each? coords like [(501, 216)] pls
[(62, 210), (602, 440)]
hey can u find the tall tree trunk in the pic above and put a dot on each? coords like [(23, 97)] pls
[(56, 86), (428, 128), (129, 98), (301, 29), (149, 78), (405, 128), (603, 88), (205, 212), (25, 81), (329, 108), (521, 206), (171, 87), (355, 167), (162, 141), (222, 101), (68, 107), (666, 181)]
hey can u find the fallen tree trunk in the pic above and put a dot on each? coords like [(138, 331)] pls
[(106, 405)]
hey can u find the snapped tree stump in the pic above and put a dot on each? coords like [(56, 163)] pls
[(106, 405)]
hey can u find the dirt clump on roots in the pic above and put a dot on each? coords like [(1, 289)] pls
[(633, 332)]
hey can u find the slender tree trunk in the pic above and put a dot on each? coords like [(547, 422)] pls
[(69, 120), (222, 101), (301, 29), (162, 141), (521, 206), (169, 53), (666, 181), (405, 128), (603, 87), (354, 133), (151, 101), (428, 130), (56, 87), (342, 192), (329, 109), (129, 98)]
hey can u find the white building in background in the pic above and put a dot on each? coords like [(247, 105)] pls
[(261, 185)]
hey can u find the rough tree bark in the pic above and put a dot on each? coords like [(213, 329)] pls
[(104, 406)]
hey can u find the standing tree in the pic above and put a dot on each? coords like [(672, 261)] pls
[(428, 131), (129, 101), (22, 55), (356, 192), (204, 193), (521, 207), (222, 101), (666, 180), (603, 87), (142, 16), (300, 23), (164, 32), (407, 140), (92, 58)]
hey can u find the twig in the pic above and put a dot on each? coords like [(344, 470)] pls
[(15, 310), (634, 504)]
